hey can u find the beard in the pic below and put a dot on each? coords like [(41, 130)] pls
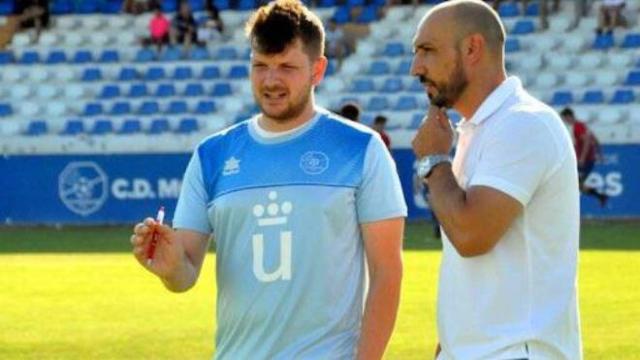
[(293, 108), (449, 92)]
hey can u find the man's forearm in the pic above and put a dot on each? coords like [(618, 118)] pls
[(182, 279), (446, 199), (379, 314)]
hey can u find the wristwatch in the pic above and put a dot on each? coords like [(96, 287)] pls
[(427, 163)]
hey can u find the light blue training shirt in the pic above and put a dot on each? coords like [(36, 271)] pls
[(285, 213)]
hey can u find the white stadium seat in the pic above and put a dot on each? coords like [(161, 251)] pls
[(47, 91), (73, 39), (20, 92), (29, 109), (577, 79), (66, 22), (606, 78), (559, 61), (590, 61), (547, 80)]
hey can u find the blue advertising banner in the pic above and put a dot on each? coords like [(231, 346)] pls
[(123, 189)]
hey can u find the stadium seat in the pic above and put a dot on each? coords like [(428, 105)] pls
[(193, 90), (226, 53), (633, 78), (342, 15), (165, 90), (406, 103), (392, 85), (145, 55), (205, 107), (362, 85), (369, 14), (5, 110), (182, 73), (512, 45), (199, 54), (210, 72), (131, 126), (91, 74), (82, 57), (393, 49), (508, 9), (171, 54), (593, 97), (127, 74), (379, 67), (221, 89), (6, 57), (29, 58), (631, 41), (327, 3), (523, 27), (154, 73), (138, 90), (56, 57), (6, 8), (169, 6), (109, 92), (187, 125), (73, 127), (416, 121), (416, 86), (238, 72), (562, 98), (102, 127), (177, 107), (533, 9), (603, 42), (93, 109), (404, 68), (149, 108), (244, 5), (378, 103), (36, 127), (120, 108), (109, 56), (623, 96), (159, 126)]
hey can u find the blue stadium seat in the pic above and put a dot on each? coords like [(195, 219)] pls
[(91, 74), (73, 127), (379, 67), (603, 42), (159, 126), (631, 41), (56, 57), (342, 15), (416, 86), (86, 7), (128, 74), (238, 72), (205, 107), (120, 108), (331, 67), (354, 3), (145, 55), (593, 97), (562, 98), (246, 5), (138, 90), (171, 54), (404, 68), (194, 89), (111, 7), (131, 126), (405, 103), (5, 110), (508, 9), (165, 90), (197, 5), (154, 73), (6, 57), (82, 57), (93, 109), (187, 125), (102, 127), (511, 45), (61, 7), (109, 56), (226, 53), (221, 89), (222, 4), (29, 58), (633, 78), (392, 85), (368, 15), (327, 3), (362, 85), (623, 96), (177, 107), (36, 127), (109, 92), (378, 103), (533, 9), (199, 53), (6, 8), (416, 121), (523, 27), (149, 108), (169, 6), (182, 73), (393, 49), (210, 72)]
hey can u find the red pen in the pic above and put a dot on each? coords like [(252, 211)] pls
[(154, 237)]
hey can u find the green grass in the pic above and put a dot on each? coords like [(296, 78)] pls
[(76, 293)]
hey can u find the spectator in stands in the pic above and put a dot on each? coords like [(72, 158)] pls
[(137, 7), (508, 203), (588, 151), (543, 9), (581, 9), (379, 123), (351, 111), (335, 43), (32, 14), (159, 27), (184, 28), (211, 27), (293, 241), (610, 16)]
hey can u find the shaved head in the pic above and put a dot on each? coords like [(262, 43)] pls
[(467, 17)]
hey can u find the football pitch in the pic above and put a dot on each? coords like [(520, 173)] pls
[(77, 293)]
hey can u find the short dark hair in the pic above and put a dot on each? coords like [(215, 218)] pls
[(380, 119), (567, 112), (275, 26), (350, 111)]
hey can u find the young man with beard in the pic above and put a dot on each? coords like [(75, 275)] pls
[(508, 203), (294, 198)]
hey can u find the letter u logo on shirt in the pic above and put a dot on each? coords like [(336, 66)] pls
[(284, 269)]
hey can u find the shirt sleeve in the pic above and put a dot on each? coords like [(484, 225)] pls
[(191, 210), (380, 195), (517, 159)]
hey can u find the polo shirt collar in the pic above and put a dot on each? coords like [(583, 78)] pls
[(495, 100)]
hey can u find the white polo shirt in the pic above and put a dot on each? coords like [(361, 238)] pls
[(519, 300)]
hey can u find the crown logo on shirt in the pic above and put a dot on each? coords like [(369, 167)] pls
[(274, 213), (231, 166)]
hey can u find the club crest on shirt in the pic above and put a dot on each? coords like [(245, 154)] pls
[(231, 166), (314, 162)]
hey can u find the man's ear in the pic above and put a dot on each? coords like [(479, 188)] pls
[(472, 48), (319, 68)]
